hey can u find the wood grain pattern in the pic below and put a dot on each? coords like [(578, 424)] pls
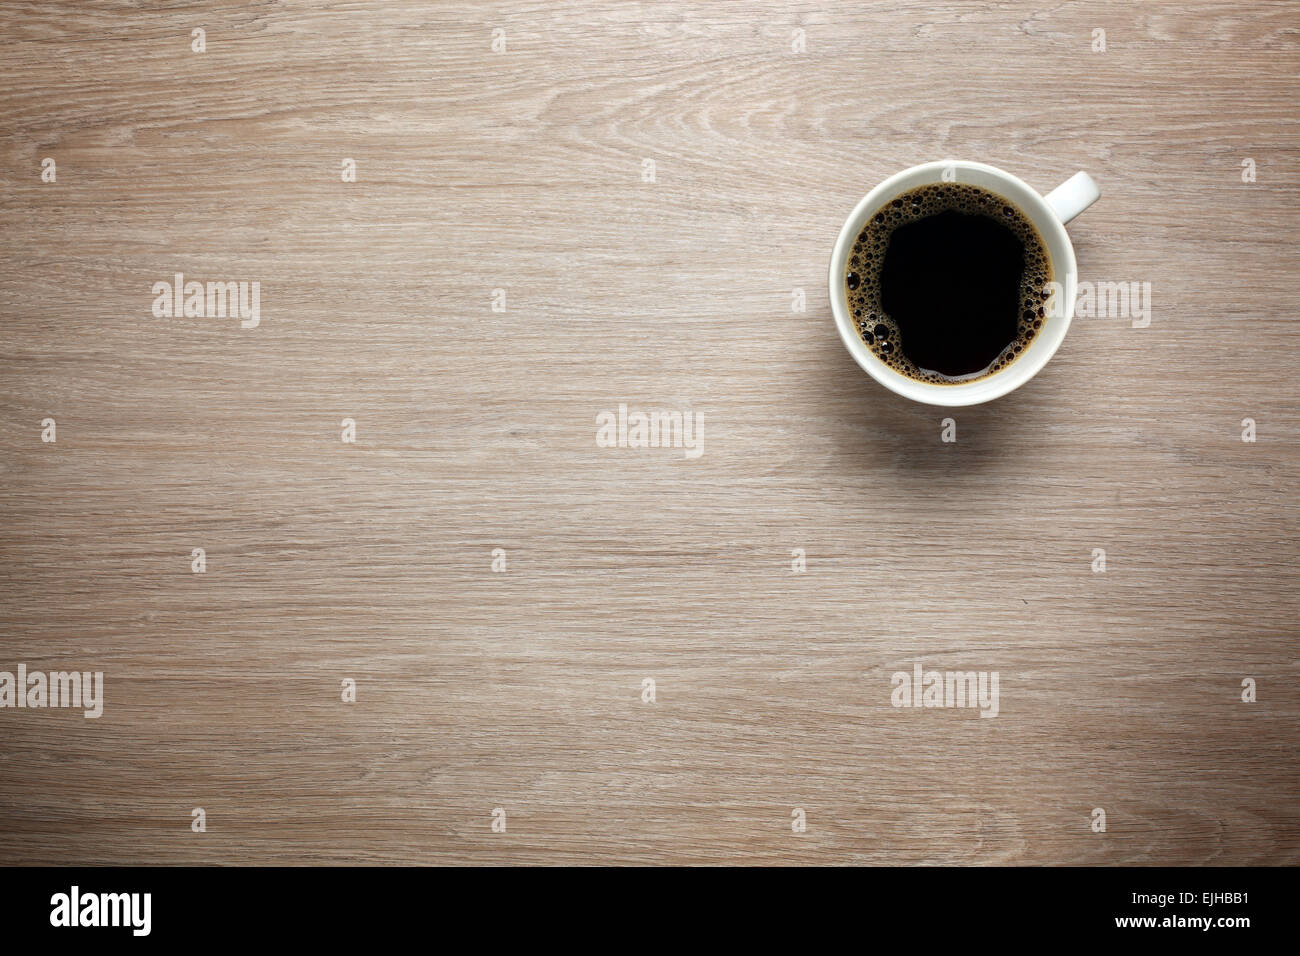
[(522, 690)]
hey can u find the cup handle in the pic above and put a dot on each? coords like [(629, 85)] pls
[(1073, 196)]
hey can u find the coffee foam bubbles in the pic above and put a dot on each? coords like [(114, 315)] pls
[(862, 277)]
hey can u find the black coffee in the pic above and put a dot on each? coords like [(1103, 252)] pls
[(946, 283)]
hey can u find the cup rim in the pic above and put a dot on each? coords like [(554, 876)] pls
[(1040, 351)]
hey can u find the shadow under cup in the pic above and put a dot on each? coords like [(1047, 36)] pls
[(1058, 315)]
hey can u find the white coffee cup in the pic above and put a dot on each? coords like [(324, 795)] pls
[(1049, 214)]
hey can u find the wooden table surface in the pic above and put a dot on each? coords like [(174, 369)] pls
[(499, 275)]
